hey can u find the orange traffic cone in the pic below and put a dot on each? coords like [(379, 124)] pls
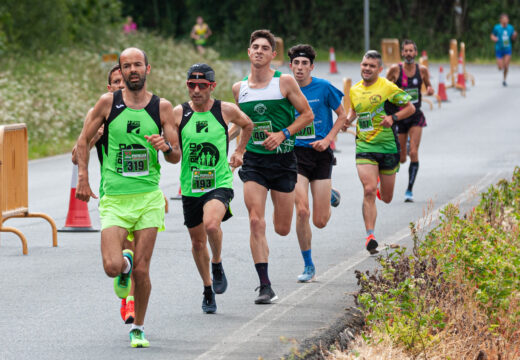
[(461, 81), (178, 196), (442, 86), (332, 58), (78, 218)]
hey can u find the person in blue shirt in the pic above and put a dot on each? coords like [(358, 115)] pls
[(312, 148), (503, 34)]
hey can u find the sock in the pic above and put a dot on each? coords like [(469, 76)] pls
[(261, 269), (412, 174), (307, 257), (138, 327), (215, 266), (370, 232), (128, 265), (207, 290), (129, 298)]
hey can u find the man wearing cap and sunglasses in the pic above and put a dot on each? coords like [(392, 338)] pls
[(206, 177), (269, 99)]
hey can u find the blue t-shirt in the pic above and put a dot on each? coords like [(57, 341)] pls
[(504, 36), (323, 98)]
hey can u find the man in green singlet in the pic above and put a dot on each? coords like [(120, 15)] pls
[(206, 178), (138, 124), (269, 99)]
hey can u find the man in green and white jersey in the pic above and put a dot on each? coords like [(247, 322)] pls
[(206, 178), (269, 99), (132, 204)]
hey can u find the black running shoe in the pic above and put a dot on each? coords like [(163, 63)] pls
[(209, 305), (266, 295), (371, 244), (219, 278)]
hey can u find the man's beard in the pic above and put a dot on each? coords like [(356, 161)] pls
[(410, 60), (134, 86)]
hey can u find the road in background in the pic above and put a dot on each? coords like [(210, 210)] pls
[(57, 303)]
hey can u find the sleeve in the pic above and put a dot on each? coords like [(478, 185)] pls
[(494, 32), (397, 96), (334, 97)]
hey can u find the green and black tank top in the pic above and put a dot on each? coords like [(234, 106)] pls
[(130, 164), (205, 144), (270, 111)]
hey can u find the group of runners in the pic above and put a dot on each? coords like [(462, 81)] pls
[(286, 127)]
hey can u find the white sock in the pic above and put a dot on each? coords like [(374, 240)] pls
[(138, 327), (128, 266)]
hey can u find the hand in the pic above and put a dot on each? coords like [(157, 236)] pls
[(430, 91), (236, 160), (273, 140), (387, 121), (346, 125), (157, 142), (74, 156), (321, 145), (83, 191)]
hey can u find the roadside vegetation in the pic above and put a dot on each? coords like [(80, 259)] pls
[(455, 296)]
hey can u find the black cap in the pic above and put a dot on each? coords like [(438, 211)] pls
[(205, 69)]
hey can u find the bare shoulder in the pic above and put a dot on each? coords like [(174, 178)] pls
[(229, 109), (392, 71), (288, 80), (423, 69), (165, 104), (236, 87)]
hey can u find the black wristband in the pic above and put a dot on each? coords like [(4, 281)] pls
[(169, 148), (394, 117)]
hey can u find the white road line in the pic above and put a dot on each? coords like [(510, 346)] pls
[(254, 326)]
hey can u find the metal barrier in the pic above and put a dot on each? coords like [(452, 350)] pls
[(279, 59), (14, 182), (390, 51)]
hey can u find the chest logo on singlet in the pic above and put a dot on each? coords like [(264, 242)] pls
[(201, 125), (133, 127), (260, 109), (375, 99), (204, 154), (415, 82)]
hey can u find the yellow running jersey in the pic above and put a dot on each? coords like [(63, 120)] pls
[(368, 103)]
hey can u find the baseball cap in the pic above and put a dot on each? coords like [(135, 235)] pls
[(207, 72)]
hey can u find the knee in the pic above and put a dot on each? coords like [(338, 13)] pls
[(112, 268), (303, 213), (320, 221), (282, 229), (387, 199), (198, 244), (140, 273), (402, 159), (370, 191), (212, 228), (414, 154), (257, 224)]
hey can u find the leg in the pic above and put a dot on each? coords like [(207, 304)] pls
[(368, 174), (387, 187), (112, 250), (214, 211), (507, 60), (283, 211), (303, 228), (415, 140), (403, 138), (144, 244), (321, 190), (130, 245), (200, 252), (255, 196), (500, 63)]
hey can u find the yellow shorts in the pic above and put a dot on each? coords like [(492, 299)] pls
[(133, 211)]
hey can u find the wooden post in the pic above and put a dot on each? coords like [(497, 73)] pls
[(347, 84), (390, 51), (454, 61)]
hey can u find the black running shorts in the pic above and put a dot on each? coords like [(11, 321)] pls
[(277, 172), (193, 207), (313, 164)]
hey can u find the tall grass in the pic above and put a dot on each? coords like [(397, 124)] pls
[(51, 93)]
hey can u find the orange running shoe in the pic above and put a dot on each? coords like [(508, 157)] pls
[(371, 244), (123, 309), (130, 311)]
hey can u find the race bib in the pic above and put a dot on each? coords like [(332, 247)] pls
[(505, 39), (135, 162), (307, 132), (202, 180), (414, 93), (365, 122), (258, 131)]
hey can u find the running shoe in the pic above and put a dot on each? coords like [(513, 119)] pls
[(371, 244), (122, 282), (137, 339), (209, 305), (122, 309), (504, 83), (408, 196), (266, 295), (309, 274), (335, 197), (219, 278), (378, 193), (130, 311)]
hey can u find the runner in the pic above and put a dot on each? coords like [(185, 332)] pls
[(377, 151), (200, 33), (312, 148), (410, 77), (132, 204), (269, 99), (503, 34), (206, 179)]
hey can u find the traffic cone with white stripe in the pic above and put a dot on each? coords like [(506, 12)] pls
[(442, 86), (461, 80), (332, 58), (78, 218)]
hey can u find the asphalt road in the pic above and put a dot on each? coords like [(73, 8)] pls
[(57, 303)]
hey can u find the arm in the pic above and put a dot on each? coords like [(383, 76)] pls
[(209, 32), (407, 111), (493, 37), (170, 120), (92, 124), (193, 34), (393, 73), (234, 131), (290, 89), (233, 114), (425, 75), (322, 145), (514, 36)]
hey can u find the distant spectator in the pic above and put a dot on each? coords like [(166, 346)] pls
[(130, 27), (200, 33)]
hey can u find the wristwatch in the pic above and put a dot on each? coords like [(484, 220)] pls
[(286, 133), (394, 117), (169, 148)]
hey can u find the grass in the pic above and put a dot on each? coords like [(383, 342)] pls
[(52, 93), (456, 296)]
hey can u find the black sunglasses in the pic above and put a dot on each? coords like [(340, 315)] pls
[(202, 86)]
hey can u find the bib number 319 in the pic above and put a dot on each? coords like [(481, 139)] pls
[(135, 162)]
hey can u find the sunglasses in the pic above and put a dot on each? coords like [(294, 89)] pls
[(202, 86)]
